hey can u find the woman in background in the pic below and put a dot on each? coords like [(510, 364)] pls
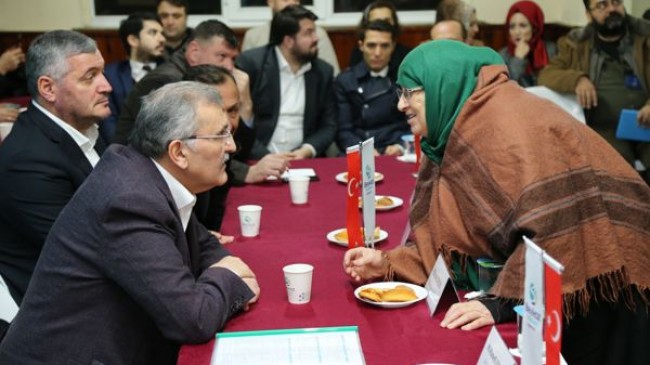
[(527, 52), (386, 11)]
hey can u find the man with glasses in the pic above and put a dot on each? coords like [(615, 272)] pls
[(607, 65), (126, 277)]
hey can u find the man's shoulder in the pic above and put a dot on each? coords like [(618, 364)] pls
[(323, 67), (351, 74), (255, 53), (640, 27), (118, 66)]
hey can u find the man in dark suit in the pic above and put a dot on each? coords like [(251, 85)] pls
[(291, 89), (144, 43), (127, 277), (52, 148), (366, 94)]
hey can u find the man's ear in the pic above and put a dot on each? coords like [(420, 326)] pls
[(190, 52), (46, 88), (133, 41), (360, 43), (177, 153)]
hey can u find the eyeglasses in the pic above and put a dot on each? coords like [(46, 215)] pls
[(604, 4), (225, 135), (408, 93)]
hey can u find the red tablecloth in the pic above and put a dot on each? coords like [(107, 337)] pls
[(292, 234)]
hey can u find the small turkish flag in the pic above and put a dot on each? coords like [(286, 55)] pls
[(355, 239), (553, 326)]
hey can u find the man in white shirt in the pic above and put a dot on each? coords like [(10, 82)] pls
[(292, 90), (260, 35), (52, 148), (142, 37)]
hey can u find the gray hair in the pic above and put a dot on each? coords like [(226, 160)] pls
[(48, 54), (170, 113)]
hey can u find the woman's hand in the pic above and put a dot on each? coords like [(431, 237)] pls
[(468, 316), (364, 263), (522, 49)]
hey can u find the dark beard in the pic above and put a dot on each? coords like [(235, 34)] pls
[(613, 26), (306, 57)]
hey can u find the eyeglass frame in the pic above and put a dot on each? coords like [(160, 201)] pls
[(225, 135), (407, 93), (603, 4)]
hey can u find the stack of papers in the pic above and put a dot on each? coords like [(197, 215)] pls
[(304, 346)]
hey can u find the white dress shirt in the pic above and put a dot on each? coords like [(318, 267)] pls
[(289, 132), (86, 140), (381, 73), (183, 198), (138, 71)]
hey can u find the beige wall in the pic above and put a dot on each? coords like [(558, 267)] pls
[(40, 15)]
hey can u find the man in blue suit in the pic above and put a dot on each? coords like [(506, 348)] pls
[(142, 37)]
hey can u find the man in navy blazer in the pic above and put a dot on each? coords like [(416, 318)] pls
[(52, 148), (128, 276), (292, 90), (144, 43)]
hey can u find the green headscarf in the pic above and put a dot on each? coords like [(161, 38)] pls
[(448, 71)]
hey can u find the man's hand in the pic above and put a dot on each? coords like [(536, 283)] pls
[(245, 101), (11, 59), (394, 150), (239, 267), (522, 49), (643, 117), (270, 165), (586, 93), (222, 238), (8, 114), (467, 315), (300, 154)]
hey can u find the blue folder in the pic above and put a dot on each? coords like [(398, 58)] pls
[(629, 128)]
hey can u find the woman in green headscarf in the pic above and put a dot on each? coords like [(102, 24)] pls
[(501, 163)]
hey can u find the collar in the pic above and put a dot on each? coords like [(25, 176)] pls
[(137, 68), (86, 139), (381, 73), (284, 65), (182, 197)]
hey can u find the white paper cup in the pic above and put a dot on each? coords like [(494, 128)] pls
[(249, 219), (5, 128), (299, 188), (297, 278)]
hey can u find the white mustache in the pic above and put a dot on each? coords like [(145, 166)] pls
[(226, 158)]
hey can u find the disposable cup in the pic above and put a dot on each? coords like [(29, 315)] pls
[(249, 219), (297, 278), (299, 189)]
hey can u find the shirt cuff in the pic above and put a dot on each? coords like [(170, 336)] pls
[(311, 148)]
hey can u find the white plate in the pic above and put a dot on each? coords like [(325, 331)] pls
[(343, 177), (410, 158), (331, 236), (419, 291), (397, 202)]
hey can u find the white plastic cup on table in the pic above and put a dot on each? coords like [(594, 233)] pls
[(249, 219), (297, 278), (299, 188), (408, 141)]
